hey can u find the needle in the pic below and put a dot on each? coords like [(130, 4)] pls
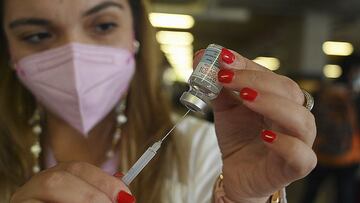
[(147, 156), (172, 129)]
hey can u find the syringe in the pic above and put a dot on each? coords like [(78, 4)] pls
[(147, 156)]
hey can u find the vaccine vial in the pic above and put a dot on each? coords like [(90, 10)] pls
[(203, 82)]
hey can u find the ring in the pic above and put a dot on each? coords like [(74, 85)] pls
[(309, 100)]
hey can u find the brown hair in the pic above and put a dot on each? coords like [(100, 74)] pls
[(148, 114)]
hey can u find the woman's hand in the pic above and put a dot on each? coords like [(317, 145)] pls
[(73, 182), (265, 133)]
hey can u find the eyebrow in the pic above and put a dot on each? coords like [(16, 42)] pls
[(43, 22), (101, 7), (28, 21)]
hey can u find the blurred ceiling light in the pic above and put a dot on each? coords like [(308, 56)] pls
[(174, 38), (178, 50), (182, 65), (168, 48), (183, 73), (270, 63), (332, 71), (169, 76), (167, 20), (180, 58), (338, 48)]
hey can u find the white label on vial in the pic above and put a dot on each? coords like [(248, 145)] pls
[(206, 72), (208, 69)]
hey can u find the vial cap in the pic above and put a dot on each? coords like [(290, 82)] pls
[(193, 102)]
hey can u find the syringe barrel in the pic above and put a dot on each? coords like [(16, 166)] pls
[(139, 165)]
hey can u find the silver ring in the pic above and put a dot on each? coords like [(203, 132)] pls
[(309, 100)]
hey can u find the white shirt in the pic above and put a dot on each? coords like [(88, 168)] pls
[(202, 160)]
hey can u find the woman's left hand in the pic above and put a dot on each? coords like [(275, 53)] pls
[(265, 134)]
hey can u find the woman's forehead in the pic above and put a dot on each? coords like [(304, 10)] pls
[(54, 9)]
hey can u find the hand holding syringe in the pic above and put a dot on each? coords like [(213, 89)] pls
[(147, 156)]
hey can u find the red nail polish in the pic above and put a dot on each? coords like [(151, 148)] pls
[(118, 175), (227, 56), (198, 52), (248, 94), (124, 197), (268, 136), (225, 75)]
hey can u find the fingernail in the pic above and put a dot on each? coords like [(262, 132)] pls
[(124, 197), (225, 75), (118, 175), (268, 136), (248, 94), (227, 56), (198, 52)]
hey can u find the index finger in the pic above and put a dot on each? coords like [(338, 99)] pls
[(58, 186), (239, 63), (110, 185)]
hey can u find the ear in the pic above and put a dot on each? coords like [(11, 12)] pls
[(136, 45)]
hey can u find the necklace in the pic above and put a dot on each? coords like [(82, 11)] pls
[(35, 123)]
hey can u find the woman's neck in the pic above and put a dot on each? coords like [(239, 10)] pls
[(68, 144)]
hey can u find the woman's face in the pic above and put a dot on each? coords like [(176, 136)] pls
[(33, 26)]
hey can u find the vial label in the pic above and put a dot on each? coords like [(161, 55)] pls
[(206, 71), (203, 82)]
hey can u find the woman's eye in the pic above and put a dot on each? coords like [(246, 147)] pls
[(37, 37), (105, 27)]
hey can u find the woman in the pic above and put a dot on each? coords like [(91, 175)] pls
[(49, 44)]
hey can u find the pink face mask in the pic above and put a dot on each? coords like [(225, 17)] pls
[(80, 83)]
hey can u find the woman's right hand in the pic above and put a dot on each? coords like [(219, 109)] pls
[(75, 182)]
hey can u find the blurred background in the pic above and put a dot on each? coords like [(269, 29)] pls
[(315, 43)]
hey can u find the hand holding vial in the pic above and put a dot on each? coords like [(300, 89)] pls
[(276, 149)]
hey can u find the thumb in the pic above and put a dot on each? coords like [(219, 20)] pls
[(226, 100), (124, 196)]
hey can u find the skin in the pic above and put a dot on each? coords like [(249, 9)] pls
[(253, 169), (70, 21)]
